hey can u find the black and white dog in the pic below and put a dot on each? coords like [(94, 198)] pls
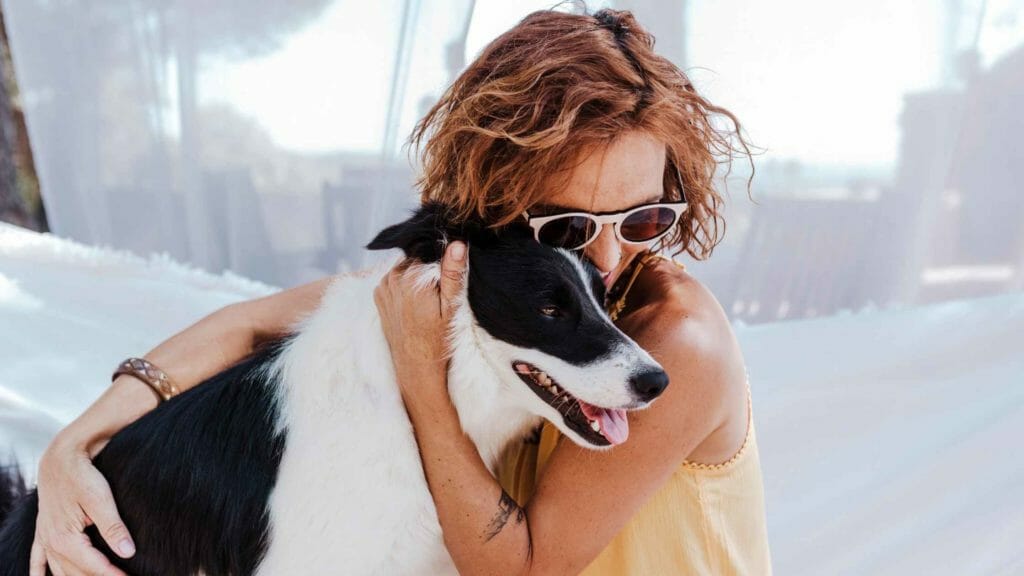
[(301, 459)]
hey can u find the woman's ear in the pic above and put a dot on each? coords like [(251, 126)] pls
[(423, 236)]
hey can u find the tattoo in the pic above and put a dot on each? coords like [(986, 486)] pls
[(506, 508)]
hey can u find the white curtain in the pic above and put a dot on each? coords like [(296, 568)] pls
[(258, 136)]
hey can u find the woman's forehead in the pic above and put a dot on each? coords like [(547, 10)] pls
[(628, 172)]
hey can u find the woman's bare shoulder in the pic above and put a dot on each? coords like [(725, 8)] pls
[(668, 294), (682, 321)]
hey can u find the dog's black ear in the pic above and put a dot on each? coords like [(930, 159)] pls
[(423, 236)]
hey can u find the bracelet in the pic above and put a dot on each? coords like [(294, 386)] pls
[(145, 370)]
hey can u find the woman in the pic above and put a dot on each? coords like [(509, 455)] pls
[(563, 113)]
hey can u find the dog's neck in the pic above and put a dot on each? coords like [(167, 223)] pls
[(480, 390)]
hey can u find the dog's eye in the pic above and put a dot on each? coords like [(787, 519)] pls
[(551, 311)]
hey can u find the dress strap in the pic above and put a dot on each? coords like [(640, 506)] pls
[(660, 256), (743, 447), (615, 307)]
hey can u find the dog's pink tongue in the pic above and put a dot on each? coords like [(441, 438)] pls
[(614, 425)]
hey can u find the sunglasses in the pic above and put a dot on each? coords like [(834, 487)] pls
[(638, 225)]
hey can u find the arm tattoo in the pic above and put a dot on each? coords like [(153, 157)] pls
[(507, 507)]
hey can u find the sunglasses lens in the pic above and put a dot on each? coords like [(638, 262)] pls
[(569, 232), (647, 224)]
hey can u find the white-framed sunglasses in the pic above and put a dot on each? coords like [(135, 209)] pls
[(638, 225)]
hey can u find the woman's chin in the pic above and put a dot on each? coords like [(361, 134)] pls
[(609, 279)]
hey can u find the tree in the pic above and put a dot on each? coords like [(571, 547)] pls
[(20, 202)]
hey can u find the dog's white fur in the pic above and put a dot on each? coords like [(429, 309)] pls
[(351, 473)]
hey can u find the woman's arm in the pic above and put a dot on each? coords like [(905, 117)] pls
[(73, 494), (584, 497), (198, 352)]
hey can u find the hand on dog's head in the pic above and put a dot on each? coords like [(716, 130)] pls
[(426, 234)]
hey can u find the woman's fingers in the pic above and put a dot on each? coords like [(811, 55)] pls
[(98, 504), (37, 560), (55, 566), (73, 494), (69, 569), (74, 554), (453, 274), (61, 568)]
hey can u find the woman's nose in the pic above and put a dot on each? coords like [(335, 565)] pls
[(605, 251)]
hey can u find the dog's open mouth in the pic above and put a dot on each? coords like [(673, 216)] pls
[(599, 426)]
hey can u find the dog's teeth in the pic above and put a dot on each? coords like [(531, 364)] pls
[(594, 424), (544, 378), (554, 389)]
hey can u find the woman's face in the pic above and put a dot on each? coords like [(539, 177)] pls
[(622, 175)]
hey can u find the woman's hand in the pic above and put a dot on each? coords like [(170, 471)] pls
[(73, 495), (415, 322)]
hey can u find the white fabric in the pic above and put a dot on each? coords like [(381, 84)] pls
[(69, 313)]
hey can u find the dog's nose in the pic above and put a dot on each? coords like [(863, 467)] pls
[(649, 384)]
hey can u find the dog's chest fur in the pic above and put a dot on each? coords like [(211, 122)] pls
[(351, 493)]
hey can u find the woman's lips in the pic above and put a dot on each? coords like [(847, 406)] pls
[(607, 278)]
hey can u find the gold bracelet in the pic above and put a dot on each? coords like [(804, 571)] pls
[(145, 370)]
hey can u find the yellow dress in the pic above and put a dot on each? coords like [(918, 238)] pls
[(705, 520)]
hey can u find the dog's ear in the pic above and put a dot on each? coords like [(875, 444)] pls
[(423, 236)]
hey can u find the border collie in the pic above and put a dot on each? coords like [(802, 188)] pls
[(300, 459)]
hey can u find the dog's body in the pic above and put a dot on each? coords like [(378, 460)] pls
[(352, 467), (301, 458)]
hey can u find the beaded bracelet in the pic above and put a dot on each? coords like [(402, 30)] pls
[(145, 370)]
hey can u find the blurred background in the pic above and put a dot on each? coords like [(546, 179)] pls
[(874, 275), (266, 137)]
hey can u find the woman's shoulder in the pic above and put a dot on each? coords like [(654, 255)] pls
[(666, 292), (679, 316)]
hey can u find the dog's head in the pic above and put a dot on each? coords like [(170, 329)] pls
[(543, 326)]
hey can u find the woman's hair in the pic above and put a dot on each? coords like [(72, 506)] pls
[(511, 127)]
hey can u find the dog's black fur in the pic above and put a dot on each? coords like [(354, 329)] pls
[(195, 473)]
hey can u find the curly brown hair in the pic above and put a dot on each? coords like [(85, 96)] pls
[(514, 123)]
